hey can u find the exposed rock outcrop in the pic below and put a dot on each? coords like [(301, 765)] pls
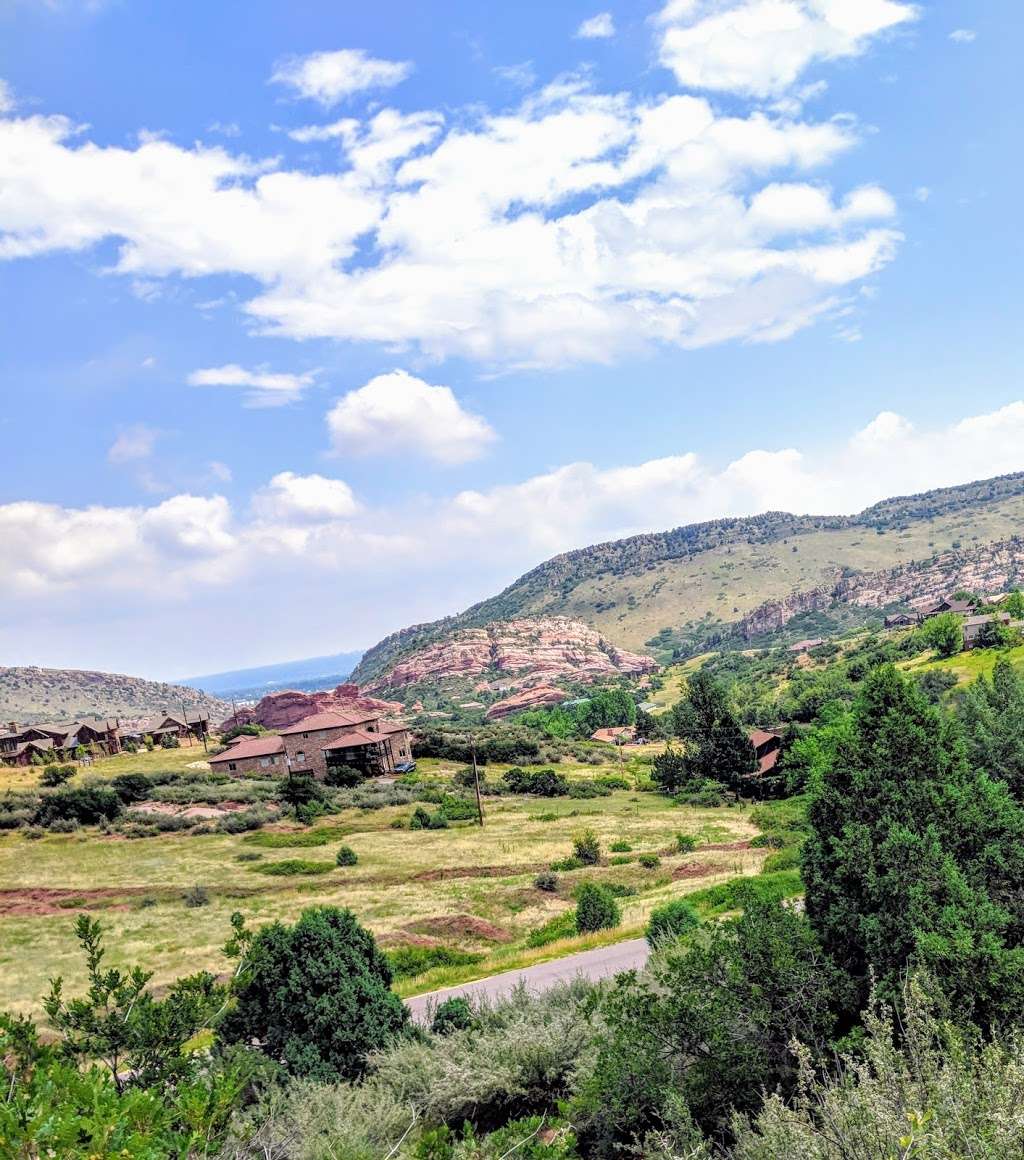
[(514, 653), (540, 696), (989, 568), (279, 710)]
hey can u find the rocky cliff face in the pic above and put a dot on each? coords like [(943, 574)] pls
[(989, 568), (515, 654), (279, 710), (536, 697)]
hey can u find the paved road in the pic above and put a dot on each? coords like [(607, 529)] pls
[(595, 964)]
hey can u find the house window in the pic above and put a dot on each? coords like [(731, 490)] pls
[(300, 757), (232, 766), (264, 762)]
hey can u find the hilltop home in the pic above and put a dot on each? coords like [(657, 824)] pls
[(319, 743), (974, 626), (767, 748), (615, 735), (59, 742)]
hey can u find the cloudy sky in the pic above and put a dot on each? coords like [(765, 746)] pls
[(322, 319)]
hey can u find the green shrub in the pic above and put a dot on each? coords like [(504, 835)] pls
[(248, 856), (316, 996), (620, 847), (169, 741), (561, 926), (649, 861), (620, 860), (131, 787), (420, 819), (588, 789), (565, 864), (738, 893), (785, 859), (343, 777), (670, 920), (87, 806), (612, 781), (685, 844), (294, 866), (346, 856), (776, 841), (452, 1015), (586, 847), (196, 896), (55, 775), (458, 809), (546, 881), (538, 782), (596, 908), (407, 962)]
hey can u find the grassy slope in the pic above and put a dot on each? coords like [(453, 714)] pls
[(149, 923), (632, 589), (967, 666)]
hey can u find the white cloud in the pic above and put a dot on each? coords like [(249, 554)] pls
[(963, 36), (575, 228), (922, 193), (220, 471), (133, 444), (329, 77), (6, 97), (291, 498), (398, 412), (599, 27), (521, 75), (225, 128), (759, 48), (264, 388)]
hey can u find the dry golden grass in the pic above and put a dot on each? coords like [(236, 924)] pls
[(403, 877)]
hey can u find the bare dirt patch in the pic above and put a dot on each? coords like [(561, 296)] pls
[(32, 901), (444, 872), (694, 870), (459, 926)]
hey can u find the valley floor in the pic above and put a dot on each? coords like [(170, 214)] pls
[(467, 888)]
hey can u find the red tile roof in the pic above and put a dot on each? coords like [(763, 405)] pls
[(759, 736), (353, 739), (331, 719), (250, 747), (613, 733), (769, 761)]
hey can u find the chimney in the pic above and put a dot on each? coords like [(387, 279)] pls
[(12, 726)]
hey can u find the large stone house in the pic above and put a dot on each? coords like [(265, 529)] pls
[(318, 743)]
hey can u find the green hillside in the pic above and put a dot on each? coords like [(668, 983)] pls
[(712, 573)]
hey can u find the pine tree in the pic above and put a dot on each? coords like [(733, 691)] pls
[(717, 746), (914, 857), (992, 715)]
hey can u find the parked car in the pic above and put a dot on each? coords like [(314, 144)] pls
[(405, 767)]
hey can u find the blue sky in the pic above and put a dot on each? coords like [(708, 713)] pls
[(320, 319)]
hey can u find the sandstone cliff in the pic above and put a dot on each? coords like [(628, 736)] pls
[(515, 654), (279, 710)]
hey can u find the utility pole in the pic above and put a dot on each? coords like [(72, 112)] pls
[(476, 782), (184, 717)]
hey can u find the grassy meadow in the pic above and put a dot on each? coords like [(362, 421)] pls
[(467, 888)]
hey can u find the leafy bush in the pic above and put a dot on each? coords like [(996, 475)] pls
[(249, 856), (596, 908), (131, 787), (169, 741), (685, 844), (420, 819), (55, 775), (670, 920), (562, 865), (561, 926), (458, 809), (620, 846), (343, 776), (612, 781), (619, 860), (407, 962), (649, 861), (316, 995), (546, 881), (196, 896), (452, 1015), (291, 867), (241, 821), (539, 783), (346, 856), (785, 859), (586, 847), (87, 806)]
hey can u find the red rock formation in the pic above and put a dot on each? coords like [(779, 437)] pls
[(279, 710), (529, 649), (538, 697)]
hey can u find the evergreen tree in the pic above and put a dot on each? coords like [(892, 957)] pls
[(992, 715), (315, 996), (717, 746), (913, 857), (1014, 604)]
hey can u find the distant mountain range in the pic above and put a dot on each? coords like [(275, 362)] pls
[(674, 593), (309, 674), (31, 695)]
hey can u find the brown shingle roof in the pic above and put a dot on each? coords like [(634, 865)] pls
[(354, 738), (759, 736), (250, 747), (331, 719)]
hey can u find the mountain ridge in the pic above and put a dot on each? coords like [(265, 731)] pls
[(558, 586)]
